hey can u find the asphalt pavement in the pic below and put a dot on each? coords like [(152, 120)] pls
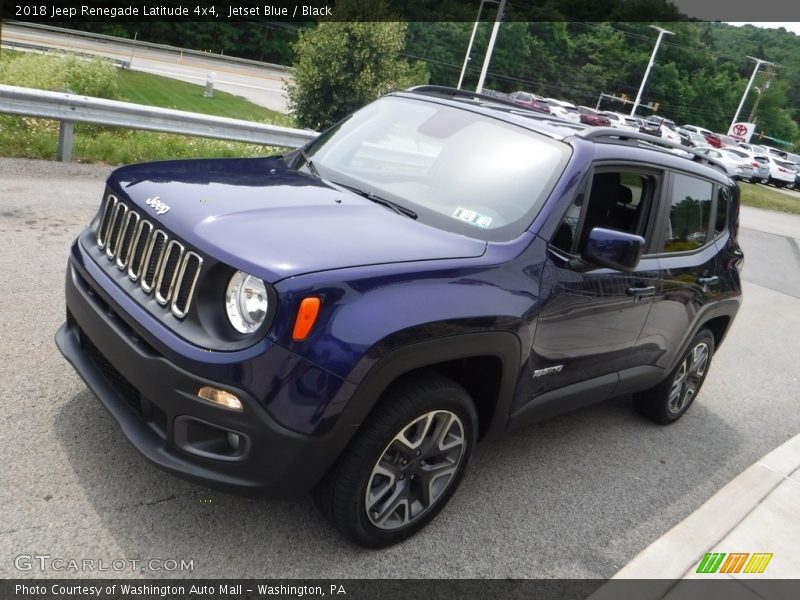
[(578, 496)]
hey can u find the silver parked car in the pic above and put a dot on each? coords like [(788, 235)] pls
[(760, 162), (735, 166)]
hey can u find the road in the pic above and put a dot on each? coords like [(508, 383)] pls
[(259, 84), (574, 497)]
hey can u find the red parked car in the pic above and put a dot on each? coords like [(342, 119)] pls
[(531, 101), (713, 140), (590, 116)]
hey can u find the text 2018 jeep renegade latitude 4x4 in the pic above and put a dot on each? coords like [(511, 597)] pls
[(353, 316)]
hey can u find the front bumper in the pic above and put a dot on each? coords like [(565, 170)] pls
[(154, 402)]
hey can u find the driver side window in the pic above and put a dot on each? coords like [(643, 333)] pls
[(615, 199)]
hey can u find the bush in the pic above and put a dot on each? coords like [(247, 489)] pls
[(341, 66), (60, 74)]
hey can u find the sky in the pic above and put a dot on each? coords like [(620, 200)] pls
[(787, 11)]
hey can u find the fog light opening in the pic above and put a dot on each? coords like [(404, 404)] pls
[(220, 398), (234, 440)]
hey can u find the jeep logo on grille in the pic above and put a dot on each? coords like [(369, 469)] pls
[(157, 205)]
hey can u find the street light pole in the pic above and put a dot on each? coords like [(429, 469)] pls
[(487, 59), (661, 33), (471, 40), (754, 111), (759, 62)]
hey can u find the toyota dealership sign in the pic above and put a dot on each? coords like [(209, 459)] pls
[(741, 132)]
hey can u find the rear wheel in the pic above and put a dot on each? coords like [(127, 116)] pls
[(404, 463), (669, 400)]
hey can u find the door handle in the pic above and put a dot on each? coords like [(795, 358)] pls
[(650, 290), (708, 280)]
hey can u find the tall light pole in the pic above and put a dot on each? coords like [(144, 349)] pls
[(661, 33), (471, 40), (487, 59), (759, 62), (754, 110)]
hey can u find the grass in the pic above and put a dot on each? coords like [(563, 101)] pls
[(24, 137), (761, 196), (155, 90)]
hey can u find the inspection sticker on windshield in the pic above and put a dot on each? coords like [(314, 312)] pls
[(471, 217)]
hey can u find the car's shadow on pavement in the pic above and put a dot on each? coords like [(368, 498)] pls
[(151, 513), (552, 484)]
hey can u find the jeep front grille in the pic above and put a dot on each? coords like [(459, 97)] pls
[(159, 264)]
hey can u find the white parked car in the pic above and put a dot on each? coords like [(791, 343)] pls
[(697, 129), (564, 110), (760, 162), (670, 134), (736, 166), (695, 139), (782, 173), (621, 121)]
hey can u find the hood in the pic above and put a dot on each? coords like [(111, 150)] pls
[(274, 222)]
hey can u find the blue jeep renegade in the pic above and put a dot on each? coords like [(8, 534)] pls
[(353, 316)]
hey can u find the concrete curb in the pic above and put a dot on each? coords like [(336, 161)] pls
[(677, 553)]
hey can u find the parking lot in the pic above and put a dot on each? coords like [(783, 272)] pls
[(574, 497)]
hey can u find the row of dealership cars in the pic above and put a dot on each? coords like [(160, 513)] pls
[(742, 161)]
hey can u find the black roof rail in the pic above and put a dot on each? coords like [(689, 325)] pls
[(599, 133), (499, 103), (448, 92)]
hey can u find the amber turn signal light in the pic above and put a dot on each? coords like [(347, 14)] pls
[(306, 317), (219, 397)]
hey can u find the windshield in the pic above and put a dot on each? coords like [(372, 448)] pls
[(458, 170)]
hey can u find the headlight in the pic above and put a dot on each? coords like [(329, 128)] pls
[(246, 302)]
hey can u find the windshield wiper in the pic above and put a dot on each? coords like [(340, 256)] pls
[(400, 210), (307, 161)]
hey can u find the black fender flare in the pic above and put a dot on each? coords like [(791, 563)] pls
[(504, 345)]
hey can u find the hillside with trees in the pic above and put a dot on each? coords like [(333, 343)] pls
[(565, 49)]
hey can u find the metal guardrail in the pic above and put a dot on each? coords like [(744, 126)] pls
[(26, 47), (72, 108)]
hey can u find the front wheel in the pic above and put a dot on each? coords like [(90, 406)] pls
[(404, 464), (667, 402)]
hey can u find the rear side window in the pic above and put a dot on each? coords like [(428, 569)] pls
[(721, 218), (689, 213)]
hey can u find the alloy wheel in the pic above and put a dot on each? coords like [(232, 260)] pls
[(688, 378), (415, 469)]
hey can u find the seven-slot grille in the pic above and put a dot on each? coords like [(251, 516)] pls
[(160, 265)]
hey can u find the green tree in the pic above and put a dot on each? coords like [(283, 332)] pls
[(340, 66)]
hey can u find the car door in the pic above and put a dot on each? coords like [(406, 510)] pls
[(688, 262), (591, 318)]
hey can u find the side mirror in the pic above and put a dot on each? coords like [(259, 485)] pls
[(613, 249)]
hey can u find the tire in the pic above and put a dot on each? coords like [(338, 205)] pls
[(765, 181), (376, 493), (667, 402)]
